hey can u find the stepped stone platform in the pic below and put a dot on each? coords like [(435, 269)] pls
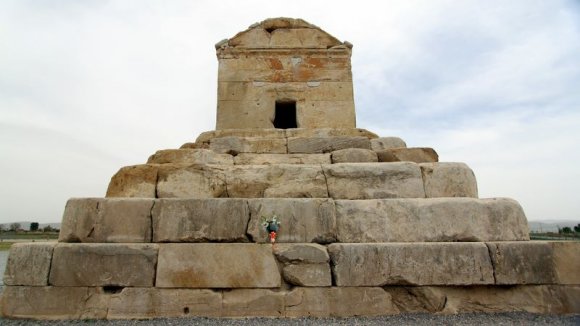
[(368, 225)]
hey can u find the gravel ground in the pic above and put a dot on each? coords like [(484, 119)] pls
[(404, 319)]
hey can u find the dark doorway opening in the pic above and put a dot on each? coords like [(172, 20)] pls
[(285, 115)]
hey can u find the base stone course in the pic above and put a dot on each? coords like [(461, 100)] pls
[(137, 303), (53, 303)]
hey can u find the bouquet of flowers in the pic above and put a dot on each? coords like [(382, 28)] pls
[(271, 225)]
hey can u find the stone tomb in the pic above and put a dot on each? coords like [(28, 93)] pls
[(369, 226)]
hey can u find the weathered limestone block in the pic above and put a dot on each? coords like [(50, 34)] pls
[(190, 156), (280, 181), (415, 263), (354, 155), (302, 220), (134, 181), (235, 145), (430, 220), (307, 274), (253, 302), (263, 159), (325, 144), (308, 253), (81, 264), (522, 262), (374, 180), (28, 264), (566, 261), (194, 181), (415, 154), (156, 303), (191, 145), (106, 220), (547, 299), (217, 265), (329, 132), (448, 180), (48, 302), (339, 302), (383, 143), (200, 220), (206, 137)]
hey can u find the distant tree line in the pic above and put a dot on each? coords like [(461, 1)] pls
[(567, 229), (34, 227)]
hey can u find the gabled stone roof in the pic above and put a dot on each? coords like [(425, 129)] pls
[(282, 33)]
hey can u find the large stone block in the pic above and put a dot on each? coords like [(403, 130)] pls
[(411, 264), (448, 180), (430, 220), (354, 155), (302, 220), (374, 180), (200, 220), (53, 303), (522, 262), (280, 181), (339, 302), (308, 253), (326, 144), (217, 265), (28, 264), (383, 143), (546, 299), (194, 181), (106, 220), (190, 156), (133, 303), (134, 181), (415, 154), (329, 132), (103, 264), (206, 137), (307, 274), (253, 302), (566, 261), (263, 159), (235, 145)]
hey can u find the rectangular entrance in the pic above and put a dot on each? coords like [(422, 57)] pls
[(285, 115)]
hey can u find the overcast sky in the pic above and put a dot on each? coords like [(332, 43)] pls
[(87, 87)]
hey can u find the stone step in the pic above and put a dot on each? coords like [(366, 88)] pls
[(116, 281), (207, 136), (256, 157), (320, 220), (50, 302), (338, 181), (227, 265)]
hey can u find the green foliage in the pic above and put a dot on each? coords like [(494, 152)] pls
[(566, 229), (34, 226), (577, 228)]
